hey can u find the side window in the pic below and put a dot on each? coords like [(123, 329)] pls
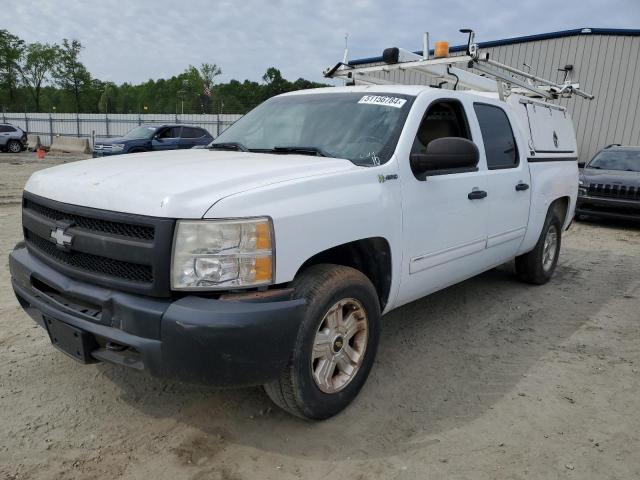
[(443, 119), (6, 128), (497, 136), (191, 132)]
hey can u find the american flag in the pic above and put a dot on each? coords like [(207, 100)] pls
[(207, 91)]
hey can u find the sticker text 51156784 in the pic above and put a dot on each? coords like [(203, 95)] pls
[(383, 100)]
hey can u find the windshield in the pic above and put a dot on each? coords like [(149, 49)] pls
[(363, 128), (627, 160), (140, 133)]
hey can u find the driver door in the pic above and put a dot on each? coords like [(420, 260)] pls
[(444, 228)]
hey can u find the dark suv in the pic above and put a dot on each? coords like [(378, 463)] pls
[(146, 138), (12, 139), (609, 184)]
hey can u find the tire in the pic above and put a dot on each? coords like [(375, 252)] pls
[(537, 266), (14, 146), (338, 290)]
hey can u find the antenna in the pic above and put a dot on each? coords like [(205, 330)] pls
[(345, 59)]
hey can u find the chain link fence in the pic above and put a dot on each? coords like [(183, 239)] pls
[(92, 125)]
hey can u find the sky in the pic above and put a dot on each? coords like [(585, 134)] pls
[(135, 40)]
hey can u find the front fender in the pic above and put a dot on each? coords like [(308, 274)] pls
[(313, 214)]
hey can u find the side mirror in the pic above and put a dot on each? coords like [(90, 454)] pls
[(581, 164), (445, 155)]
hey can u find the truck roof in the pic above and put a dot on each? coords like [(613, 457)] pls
[(413, 90)]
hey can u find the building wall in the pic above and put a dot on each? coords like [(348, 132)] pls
[(607, 66)]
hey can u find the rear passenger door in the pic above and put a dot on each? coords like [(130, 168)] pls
[(508, 182), (192, 136)]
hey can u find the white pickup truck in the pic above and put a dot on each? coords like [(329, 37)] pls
[(270, 258)]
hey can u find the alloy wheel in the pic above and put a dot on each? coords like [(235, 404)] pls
[(339, 345)]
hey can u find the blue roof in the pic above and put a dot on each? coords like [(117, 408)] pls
[(526, 38)]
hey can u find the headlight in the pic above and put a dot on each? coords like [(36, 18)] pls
[(222, 254), (582, 188)]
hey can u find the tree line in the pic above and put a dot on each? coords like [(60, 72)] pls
[(50, 77)]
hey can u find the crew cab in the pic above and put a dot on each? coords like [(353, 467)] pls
[(270, 258)]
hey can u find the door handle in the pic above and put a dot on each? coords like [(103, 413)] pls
[(477, 195), (522, 187)]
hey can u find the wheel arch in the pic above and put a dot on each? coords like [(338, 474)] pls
[(561, 204), (561, 207), (371, 256)]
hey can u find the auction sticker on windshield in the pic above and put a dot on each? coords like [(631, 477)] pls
[(383, 100)]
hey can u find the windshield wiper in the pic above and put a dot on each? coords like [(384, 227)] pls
[(228, 146), (303, 150)]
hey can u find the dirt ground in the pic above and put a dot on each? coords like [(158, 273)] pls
[(489, 379)]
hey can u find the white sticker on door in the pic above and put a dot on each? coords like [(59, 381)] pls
[(383, 100)]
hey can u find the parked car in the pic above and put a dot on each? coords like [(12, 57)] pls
[(609, 185), (12, 139), (269, 258), (147, 138)]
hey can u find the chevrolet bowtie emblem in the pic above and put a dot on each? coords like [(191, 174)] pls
[(62, 239)]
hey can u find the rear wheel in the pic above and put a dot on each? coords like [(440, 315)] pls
[(538, 265), (14, 146), (336, 343)]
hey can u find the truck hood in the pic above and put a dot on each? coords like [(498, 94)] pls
[(112, 140), (173, 184)]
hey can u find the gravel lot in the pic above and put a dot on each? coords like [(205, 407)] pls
[(489, 379)]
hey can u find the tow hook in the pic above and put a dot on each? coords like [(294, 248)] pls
[(115, 347)]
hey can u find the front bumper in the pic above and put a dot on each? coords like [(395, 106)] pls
[(194, 339), (608, 207), (107, 153)]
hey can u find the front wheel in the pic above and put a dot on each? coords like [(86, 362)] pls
[(336, 343), (538, 265)]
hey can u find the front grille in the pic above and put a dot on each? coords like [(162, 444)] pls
[(92, 263), (625, 192), (121, 251), (143, 232)]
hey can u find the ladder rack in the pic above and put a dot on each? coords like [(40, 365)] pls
[(496, 77)]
